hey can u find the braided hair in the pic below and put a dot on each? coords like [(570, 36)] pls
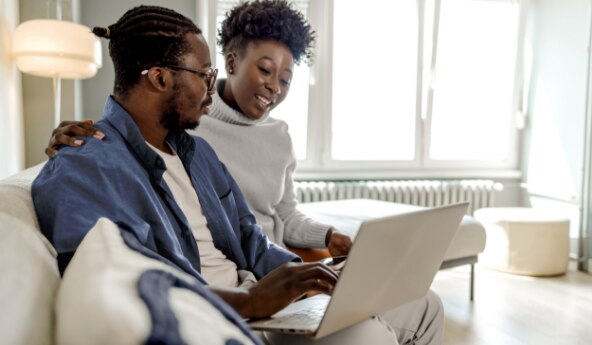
[(265, 20), (143, 37)]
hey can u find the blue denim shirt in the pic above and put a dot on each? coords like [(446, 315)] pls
[(121, 178)]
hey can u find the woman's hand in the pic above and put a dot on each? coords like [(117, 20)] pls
[(64, 135), (338, 243)]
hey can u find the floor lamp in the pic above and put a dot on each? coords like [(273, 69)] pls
[(56, 49)]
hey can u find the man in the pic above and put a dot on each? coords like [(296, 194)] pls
[(169, 188)]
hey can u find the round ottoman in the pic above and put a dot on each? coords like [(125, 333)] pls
[(524, 241)]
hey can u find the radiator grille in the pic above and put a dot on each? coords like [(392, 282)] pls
[(430, 193)]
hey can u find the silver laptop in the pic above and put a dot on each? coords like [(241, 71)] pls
[(393, 261)]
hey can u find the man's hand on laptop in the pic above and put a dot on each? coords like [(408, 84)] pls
[(286, 284)]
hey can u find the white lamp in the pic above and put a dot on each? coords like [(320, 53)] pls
[(56, 49)]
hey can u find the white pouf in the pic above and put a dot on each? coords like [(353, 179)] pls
[(524, 241)]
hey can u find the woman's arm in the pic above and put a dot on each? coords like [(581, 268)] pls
[(66, 132), (302, 231)]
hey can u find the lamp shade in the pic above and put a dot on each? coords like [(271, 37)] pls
[(47, 47)]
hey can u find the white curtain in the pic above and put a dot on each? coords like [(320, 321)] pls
[(12, 158)]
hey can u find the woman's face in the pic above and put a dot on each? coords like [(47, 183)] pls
[(258, 78)]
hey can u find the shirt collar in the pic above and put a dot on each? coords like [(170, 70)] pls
[(123, 123)]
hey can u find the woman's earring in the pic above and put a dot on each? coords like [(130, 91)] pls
[(230, 71)]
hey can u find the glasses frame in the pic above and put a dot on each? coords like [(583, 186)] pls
[(209, 77)]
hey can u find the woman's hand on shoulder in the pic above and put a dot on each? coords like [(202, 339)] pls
[(64, 135)]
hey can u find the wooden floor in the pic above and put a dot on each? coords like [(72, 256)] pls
[(511, 309)]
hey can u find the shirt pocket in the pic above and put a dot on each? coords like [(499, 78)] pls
[(229, 205)]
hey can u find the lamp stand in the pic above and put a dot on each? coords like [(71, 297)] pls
[(57, 96), (57, 80)]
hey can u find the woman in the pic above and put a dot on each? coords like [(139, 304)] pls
[(261, 41), (260, 52)]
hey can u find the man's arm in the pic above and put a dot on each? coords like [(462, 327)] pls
[(69, 197)]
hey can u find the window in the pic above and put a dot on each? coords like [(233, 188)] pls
[(408, 85), (473, 84), (374, 85)]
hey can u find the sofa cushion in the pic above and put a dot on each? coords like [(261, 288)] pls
[(30, 277), (112, 293)]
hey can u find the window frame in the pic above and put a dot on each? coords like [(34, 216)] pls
[(320, 163)]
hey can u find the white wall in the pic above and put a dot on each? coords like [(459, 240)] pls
[(557, 33), (11, 118)]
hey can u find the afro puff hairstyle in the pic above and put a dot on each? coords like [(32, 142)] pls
[(267, 20)]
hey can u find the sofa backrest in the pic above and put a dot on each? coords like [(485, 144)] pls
[(30, 278)]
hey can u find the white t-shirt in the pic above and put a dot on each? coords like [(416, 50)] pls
[(215, 267)]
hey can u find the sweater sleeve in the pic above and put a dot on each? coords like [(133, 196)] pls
[(299, 230)]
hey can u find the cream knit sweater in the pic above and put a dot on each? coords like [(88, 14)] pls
[(259, 155)]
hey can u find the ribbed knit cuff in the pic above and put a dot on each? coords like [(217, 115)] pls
[(315, 237)]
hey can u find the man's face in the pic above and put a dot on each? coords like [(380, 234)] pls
[(191, 97)]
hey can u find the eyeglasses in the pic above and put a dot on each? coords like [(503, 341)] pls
[(209, 77)]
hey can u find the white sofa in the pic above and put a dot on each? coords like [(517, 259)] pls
[(30, 280)]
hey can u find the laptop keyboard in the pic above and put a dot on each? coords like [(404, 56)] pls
[(310, 316)]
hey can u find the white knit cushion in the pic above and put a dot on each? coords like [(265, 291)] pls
[(30, 277), (525, 241), (99, 303)]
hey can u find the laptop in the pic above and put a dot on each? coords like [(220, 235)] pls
[(393, 261)]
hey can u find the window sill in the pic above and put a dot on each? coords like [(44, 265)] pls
[(311, 174)]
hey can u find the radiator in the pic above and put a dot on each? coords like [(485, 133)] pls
[(430, 193)]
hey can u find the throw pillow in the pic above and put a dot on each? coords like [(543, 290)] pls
[(113, 294)]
